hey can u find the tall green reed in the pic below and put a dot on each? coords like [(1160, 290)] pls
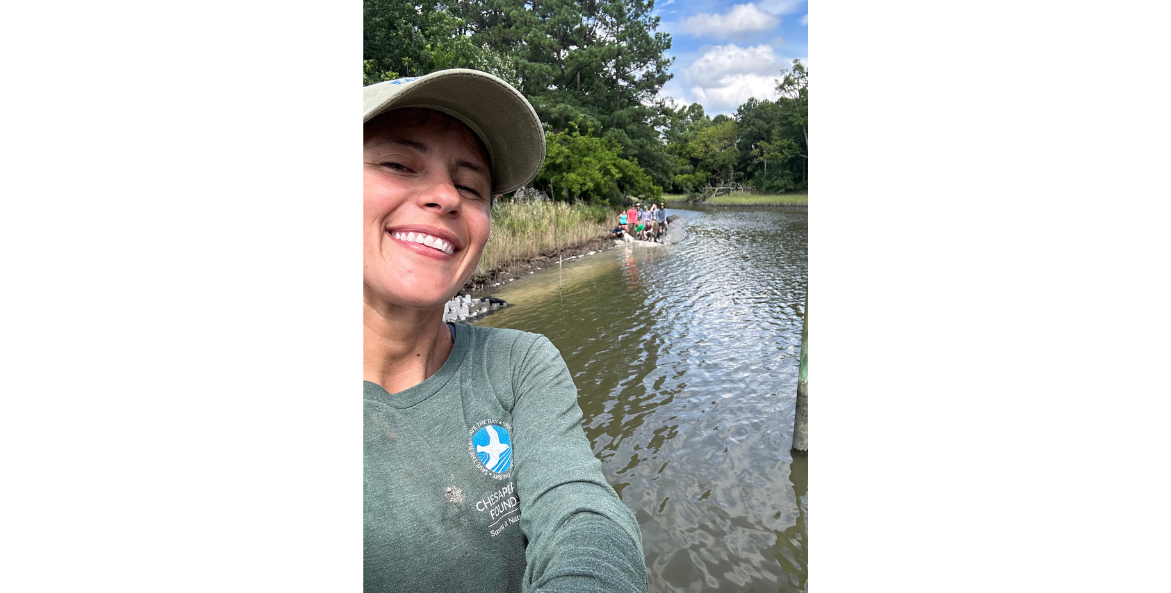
[(521, 230)]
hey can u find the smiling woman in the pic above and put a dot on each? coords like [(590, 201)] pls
[(427, 197), (477, 474)]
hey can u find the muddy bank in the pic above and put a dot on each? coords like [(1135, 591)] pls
[(517, 268)]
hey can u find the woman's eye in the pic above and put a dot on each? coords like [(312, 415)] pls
[(470, 190), (395, 166)]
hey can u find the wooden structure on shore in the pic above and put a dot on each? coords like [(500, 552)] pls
[(711, 191)]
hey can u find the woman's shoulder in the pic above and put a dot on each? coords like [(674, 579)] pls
[(508, 354), (496, 339)]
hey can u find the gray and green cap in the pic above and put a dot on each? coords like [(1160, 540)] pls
[(502, 118)]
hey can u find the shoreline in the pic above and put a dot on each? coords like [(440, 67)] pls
[(481, 282), (686, 205), (739, 200)]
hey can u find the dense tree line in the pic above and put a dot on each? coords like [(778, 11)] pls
[(764, 146), (593, 70)]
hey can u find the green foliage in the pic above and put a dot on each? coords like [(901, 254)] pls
[(597, 61), (393, 39), (714, 148), (764, 146), (586, 167), (705, 150), (407, 39), (372, 73), (450, 45), (776, 135)]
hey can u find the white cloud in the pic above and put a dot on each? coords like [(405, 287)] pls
[(666, 4), (727, 60), (728, 75), (734, 90), (741, 19), (805, 20)]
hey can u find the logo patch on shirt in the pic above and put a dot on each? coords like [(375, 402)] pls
[(491, 447)]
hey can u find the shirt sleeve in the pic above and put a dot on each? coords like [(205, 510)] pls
[(581, 537)]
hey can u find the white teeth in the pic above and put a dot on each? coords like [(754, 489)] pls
[(428, 240)]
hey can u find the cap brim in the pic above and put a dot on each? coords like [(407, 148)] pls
[(503, 119)]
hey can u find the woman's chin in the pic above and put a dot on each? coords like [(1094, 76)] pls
[(426, 302), (423, 299)]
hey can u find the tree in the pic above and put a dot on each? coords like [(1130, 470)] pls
[(794, 102), (682, 125), (773, 139), (393, 39), (714, 147), (407, 39), (600, 62), (585, 166)]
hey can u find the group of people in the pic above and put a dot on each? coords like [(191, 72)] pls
[(644, 224)]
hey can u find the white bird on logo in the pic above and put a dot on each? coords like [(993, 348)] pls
[(494, 448)]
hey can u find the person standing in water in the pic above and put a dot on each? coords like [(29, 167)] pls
[(661, 217), (477, 475)]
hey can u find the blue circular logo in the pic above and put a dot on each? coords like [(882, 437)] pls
[(493, 448)]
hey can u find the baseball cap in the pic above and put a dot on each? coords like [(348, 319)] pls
[(497, 113)]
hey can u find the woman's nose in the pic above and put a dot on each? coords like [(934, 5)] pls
[(441, 195)]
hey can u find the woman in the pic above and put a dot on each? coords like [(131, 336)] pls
[(619, 231), (632, 218), (477, 474), (661, 217)]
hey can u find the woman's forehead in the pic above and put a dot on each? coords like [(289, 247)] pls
[(413, 123)]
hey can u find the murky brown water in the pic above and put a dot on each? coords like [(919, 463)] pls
[(685, 359)]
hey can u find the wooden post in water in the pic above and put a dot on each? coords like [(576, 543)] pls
[(801, 420), (558, 246)]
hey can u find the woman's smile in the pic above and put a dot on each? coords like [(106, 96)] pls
[(436, 243)]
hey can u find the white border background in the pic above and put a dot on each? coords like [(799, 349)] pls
[(988, 277), (988, 263), (182, 322)]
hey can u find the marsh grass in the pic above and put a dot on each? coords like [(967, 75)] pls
[(522, 230), (745, 199)]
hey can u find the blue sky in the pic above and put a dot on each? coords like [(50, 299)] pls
[(727, 51)]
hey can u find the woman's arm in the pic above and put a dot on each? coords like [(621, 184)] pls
[(581, 537)]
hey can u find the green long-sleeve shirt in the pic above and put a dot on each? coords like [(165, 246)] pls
[(448, 505)]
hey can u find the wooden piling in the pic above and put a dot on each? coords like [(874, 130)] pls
[(801, 420)]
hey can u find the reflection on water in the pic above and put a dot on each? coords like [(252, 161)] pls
[(685, 359)]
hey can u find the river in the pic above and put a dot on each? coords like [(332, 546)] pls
[(685, 358)]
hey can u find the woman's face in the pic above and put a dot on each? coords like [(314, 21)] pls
[(426, 209)]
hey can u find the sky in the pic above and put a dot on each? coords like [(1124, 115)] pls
[(727, 51)]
